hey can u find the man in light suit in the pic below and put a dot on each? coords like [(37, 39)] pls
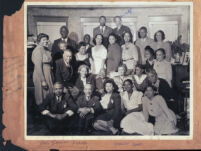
[(102, 29)]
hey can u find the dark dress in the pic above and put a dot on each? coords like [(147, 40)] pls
[(142, 86), (85, 123), (51, 104), (113, 58), (148, 66), (113, 111)]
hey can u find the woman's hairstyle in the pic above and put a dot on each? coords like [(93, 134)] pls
[(123, 66), (94, 40), (150, 50), (87, 35), (82, 43), (152, 71), (128, 80), (40, 36), (139, 66), (142, 28), (161, 50), (83, 66), (131, 36), (152, 87), (162, 33), (113, 83), (112, 34)]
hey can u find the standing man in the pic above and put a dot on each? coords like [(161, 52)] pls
[(102, 29), (143, 41), (59, 111), (120, 29)]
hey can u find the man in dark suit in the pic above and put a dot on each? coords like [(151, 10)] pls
[(56, 48), (88, 108), (102, 29), (65, 73), (59, 110), (120, 29)]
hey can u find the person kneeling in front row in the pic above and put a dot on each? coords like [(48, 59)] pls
[(58, 109), (88, 108)]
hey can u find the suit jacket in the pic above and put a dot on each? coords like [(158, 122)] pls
[(50, 103), (64, 74), (119, 33), (79, 84), (92, 103), (105, 34)]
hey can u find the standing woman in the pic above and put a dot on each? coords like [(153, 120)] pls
[(129, 52), (109, 120), (42, 76), (162, 67), (155, 106), (114, 55), (99, 54), (159, 38)]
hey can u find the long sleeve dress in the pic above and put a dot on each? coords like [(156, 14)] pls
[(113, 58), (165, 119), (134, 122), (42, 72)]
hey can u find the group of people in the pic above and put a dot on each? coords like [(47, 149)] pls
[(115, 85)]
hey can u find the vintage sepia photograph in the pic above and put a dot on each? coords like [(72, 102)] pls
[(108, 70)]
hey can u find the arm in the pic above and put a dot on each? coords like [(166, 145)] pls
[(168, 52), (37, 59), (169, 71), (145, 109)]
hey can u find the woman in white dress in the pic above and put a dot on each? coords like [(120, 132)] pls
[(155, 106), (99, 55), (134, 121)]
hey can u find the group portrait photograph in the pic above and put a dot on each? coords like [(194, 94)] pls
[(108, 69)]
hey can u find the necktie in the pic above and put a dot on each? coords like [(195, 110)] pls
[(102, 29)]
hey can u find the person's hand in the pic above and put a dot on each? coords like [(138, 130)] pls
[(101, 91), (110, 123), (84, 111), (51, 115), (44, 85), (65, 90)]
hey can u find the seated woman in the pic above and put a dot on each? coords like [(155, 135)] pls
[(113, 55), (150, 58), (82, 57), (100, 79), (163, 68), (159, 42), (88, 108), (121, 77), (134, 121), (139, 79), (109, 120), (155, 105), (129, 52), (84, 78)]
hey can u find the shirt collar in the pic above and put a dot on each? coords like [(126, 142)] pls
[(64, 39)]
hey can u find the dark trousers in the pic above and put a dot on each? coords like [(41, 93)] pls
[(63, 126), (85, 124)]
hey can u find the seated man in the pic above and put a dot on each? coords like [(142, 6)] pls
[(88, 107), (65, 73), (58, 109)]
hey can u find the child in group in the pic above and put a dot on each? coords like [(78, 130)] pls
[(122, 69), (139, 78), (84, 78)]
